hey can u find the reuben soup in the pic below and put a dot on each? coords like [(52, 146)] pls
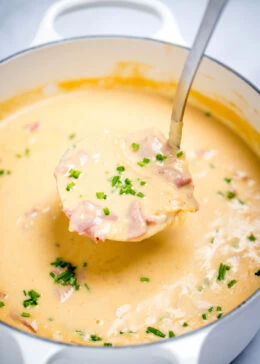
[(58, 281)]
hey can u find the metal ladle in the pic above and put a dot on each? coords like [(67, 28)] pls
[(208, 23)]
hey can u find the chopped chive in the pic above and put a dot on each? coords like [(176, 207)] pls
[(27, 152), (52, 274), (212, 240), (87, 286), (240, 201), (80, 332), (120, 169), (33, 300), (171, 334), (223, 268), (152, 330), (179, 154), (135, 146), (144, 279), (108, 344), (74, 173), (185, 324), (24, 292), (220, 193), (160, 157), (51, 319), (230, 195), (4, 172), (115, 180), (95, 338), (2, 304), (68, 276), (227, 180), (142, 183), (72, 136), (219, 315), (106, 211), (85, 264), (251, 237), (211, 309), (207, 114), (25, 314), (231, 283), (257, 273), (200, 288), (18, 155), (140, 194), (204, 316), (101, 195), (144, 162), (70, 186), (218, 308)]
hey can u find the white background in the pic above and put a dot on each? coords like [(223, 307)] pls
[(236, 42)]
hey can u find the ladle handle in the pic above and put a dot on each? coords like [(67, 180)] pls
[(208, 23)]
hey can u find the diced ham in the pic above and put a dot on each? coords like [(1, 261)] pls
[(2, 294), (64, 292), (32, 127), (175, 176), (31, 325), (240, 175), (137, 225), (87, 219)]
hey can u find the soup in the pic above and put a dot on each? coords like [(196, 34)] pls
[(59, 285)]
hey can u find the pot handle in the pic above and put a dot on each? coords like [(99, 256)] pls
[(169, 30), (34, 349)]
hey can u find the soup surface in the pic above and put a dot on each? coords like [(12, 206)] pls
[(63, 286)]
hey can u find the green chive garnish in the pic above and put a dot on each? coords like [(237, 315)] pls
[(171, 334), (251, 237), (120, 169), (72, 136), (223, 268), (2, 304), (95, 338), (33, 300), (257, 273), (74, 173), (231, 283), (230, 195), (140, 194), (101, 195), (144, 279), (204, 316), (228, 180), (160, 157), (185, 324), (152, 330), (107, 344), (70, 186), (135, 146), (106, 211), (179, 154), (144, 162), (25, 314)]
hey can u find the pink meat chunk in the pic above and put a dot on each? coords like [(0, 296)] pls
[(137, 224), (175, 176)]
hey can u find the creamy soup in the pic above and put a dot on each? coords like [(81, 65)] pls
[(63, 286)]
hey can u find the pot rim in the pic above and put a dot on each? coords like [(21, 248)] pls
[(176, 338)]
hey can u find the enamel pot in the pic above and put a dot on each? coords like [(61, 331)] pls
[(88, 57)]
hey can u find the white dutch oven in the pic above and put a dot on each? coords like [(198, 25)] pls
[(88, 57)]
